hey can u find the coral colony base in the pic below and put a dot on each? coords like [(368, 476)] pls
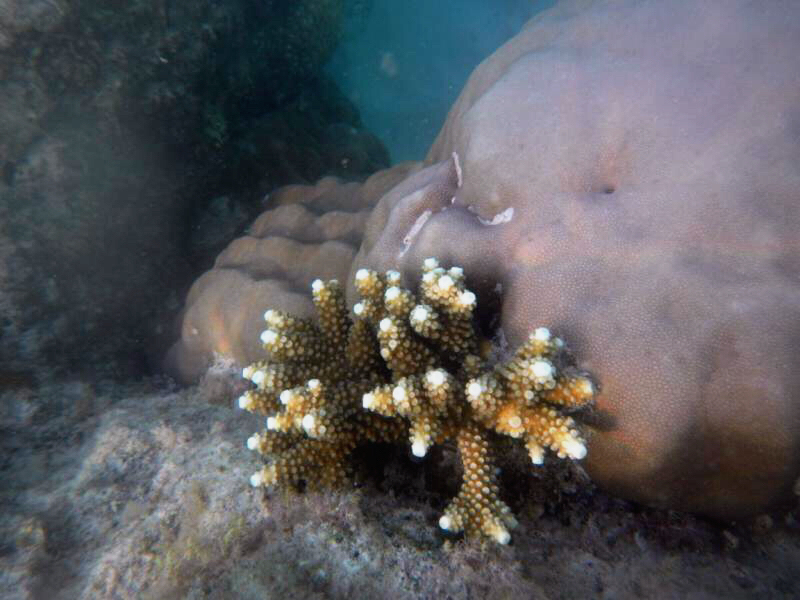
[(408, 367)]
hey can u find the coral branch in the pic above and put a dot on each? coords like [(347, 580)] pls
[(388, 374)]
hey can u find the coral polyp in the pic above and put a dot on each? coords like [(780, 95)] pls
[(408, 367)]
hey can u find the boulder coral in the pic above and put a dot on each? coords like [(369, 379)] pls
[(309, 231), (629, 173)]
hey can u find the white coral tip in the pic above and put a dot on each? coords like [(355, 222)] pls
[(268, 336), (430, 263), (574, 449), (362, 274), (419, 448), (392, 293), (474, 389), (252, 442), (248, 371), (445, 282), (368, 400), (537, 455), (419, 314), (467, 298), (312, 384), (385, 324), (501, 535), (542, 369), (456, 271), (272, 423), (435, 377), (269, 315), (244, 401), (393, 276), (308, 422), (258, 377), (399, 393), (256, 479), (358, 308), (317, 285), (445, 522), (285, 396), (542, 334)]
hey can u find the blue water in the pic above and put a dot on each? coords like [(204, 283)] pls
[(404, 63)]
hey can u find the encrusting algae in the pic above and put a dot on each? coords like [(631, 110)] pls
[(408, 367)]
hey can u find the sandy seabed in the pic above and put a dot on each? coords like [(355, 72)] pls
[(140, 491)]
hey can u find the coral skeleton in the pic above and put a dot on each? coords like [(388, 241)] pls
[(408, 367)]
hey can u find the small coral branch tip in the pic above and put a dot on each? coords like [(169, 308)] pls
[(474, 389), (368, 400), (419, 449), (435, 377), (542, 369), (542, 334), (501, 536), (308, 422), (574, 449), (419, 314)]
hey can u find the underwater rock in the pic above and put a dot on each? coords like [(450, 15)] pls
[(118, 127)]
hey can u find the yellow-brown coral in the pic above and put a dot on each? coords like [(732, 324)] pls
[(408, 366)]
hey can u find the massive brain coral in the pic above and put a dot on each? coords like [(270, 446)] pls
[(629, 174)]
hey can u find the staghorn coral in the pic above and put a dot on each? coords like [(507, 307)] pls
[(412, 367)]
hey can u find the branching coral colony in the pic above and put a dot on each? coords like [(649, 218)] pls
[(408, 367)]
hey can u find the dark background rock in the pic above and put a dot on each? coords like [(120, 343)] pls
[(120, 124)]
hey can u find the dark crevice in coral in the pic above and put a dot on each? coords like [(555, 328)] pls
[(8, 172)]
